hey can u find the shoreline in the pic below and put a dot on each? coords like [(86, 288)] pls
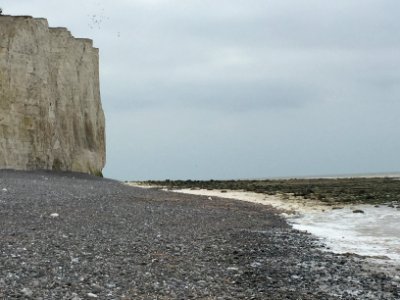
[(294, 206), (353, 235)]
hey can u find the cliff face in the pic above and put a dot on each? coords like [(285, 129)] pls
[(50, 109)]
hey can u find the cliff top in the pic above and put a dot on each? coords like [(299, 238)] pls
[(43, 20)]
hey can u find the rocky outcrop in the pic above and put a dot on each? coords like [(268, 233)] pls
[(50, 109)]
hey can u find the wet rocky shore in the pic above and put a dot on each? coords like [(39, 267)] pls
[(73, 236)]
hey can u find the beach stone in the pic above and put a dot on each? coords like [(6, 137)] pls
[(358, 211), (75, 297), (91, 295), (50, 109), (27, 292)]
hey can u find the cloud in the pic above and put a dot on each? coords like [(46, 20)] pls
[(227, 97), (242, 88)]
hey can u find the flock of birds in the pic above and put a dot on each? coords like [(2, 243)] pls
[(96, 20)]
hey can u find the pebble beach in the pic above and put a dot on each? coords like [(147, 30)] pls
[(74, 236)]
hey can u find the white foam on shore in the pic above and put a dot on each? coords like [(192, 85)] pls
[(372, 233)]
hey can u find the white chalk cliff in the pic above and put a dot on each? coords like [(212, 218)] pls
[(50, 109)]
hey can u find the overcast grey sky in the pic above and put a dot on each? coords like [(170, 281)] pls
[(201, 89)]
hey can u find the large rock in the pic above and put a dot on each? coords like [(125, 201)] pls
[(50, 110)]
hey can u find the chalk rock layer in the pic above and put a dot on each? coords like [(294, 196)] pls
[(50, 109)]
